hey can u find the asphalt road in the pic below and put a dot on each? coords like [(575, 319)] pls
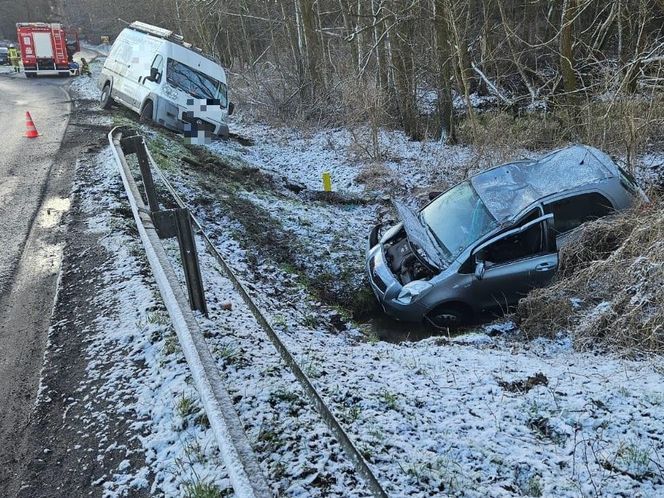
[(25, 163), (35, 183)]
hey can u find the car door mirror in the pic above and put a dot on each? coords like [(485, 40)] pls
[(480, 268), (231, 108)]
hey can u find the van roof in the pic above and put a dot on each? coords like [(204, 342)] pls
[(510, 188), (170, 36)]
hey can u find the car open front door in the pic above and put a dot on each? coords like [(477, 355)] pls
[(515, 262)]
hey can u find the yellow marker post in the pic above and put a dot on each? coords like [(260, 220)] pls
[(327, 181)]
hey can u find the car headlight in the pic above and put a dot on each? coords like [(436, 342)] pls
[(412, 290)]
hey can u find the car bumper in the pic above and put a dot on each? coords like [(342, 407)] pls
[(386, 287)]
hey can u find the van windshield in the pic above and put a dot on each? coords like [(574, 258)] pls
[(195, 83), (457, 218)]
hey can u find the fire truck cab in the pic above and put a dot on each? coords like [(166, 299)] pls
[(47, 49)]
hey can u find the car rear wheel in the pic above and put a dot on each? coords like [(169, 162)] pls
[(448, 316), (146, 113), (106, 100)]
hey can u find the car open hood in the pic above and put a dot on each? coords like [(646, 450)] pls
[(418, 236)]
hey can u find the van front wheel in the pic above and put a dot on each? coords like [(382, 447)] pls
[(146, 113), (106, 100)]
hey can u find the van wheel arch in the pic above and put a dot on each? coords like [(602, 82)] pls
[(449, 314)]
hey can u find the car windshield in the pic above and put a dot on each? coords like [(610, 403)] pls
[(194, 82), (457, 218)]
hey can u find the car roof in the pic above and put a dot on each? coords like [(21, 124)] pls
[(510, 188)]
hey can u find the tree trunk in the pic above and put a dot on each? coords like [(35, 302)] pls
[(404, 75), (632, 60), (349, 28), (380, 41), (442, 46), (462, 74), (566, 48), (312, 53)]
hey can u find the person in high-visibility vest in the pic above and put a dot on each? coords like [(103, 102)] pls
[(85, 68), (14, 58)]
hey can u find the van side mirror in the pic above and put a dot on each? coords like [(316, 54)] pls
[(154, 74), (480, 267), (231, 108)]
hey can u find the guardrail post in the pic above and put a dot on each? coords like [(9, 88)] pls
[(136, 145), (146, 173), (192, 270)]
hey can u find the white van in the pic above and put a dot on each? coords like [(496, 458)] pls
[(155, 73)]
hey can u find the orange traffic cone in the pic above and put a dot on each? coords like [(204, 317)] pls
[(31, 131)]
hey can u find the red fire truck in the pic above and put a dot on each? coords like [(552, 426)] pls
[(47, 48)]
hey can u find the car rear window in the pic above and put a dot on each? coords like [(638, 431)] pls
[(571, 212)]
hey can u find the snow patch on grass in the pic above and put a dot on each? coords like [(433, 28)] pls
[(434, 416), (167, 416)]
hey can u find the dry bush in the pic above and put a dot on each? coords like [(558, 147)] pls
[(377, 177), (501, 131), (275, 92), (610, 289), (624, 125)]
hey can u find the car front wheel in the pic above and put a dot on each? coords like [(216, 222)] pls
[(447, 316)]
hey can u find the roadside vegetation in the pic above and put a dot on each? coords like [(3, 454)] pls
[(544, 420), (610, 293), (284, 224)]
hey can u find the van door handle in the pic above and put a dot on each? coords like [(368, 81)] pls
[(544, 267)]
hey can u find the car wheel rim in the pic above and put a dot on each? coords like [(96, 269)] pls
[(447, 318)]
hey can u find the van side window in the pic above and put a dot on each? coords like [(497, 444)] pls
[(114, 50), (123, 52), (517, 246), (569, 213)]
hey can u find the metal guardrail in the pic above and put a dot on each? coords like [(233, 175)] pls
[(170, 223), (351, 451), (240, 462)]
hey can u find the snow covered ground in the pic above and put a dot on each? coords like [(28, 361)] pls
[(479, 414), (135, 363), (136, 374), (85, 87), (398, 166), (303, 156)]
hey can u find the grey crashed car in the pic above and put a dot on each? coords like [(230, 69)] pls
[(484, 243)]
